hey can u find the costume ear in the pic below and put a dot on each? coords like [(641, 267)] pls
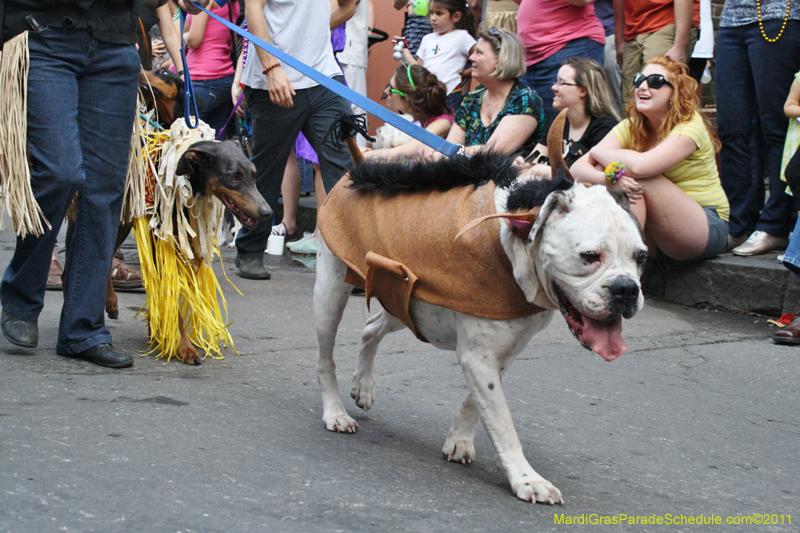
[(554, 145), (520, 223), (192, 160)]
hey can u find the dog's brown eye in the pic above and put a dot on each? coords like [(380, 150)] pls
[(641, 257), (590, 257), (234, 177)]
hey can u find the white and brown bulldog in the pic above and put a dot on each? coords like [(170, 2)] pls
[(476, 261)]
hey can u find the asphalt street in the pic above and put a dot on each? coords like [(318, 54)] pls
[(699, 419)]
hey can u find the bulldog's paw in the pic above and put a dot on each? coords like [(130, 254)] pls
[(363, 392), (538, 491), (340, 423), (459, 449)]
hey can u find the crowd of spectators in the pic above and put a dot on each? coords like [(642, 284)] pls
[(487, 75)]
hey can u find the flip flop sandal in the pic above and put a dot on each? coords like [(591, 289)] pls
[(54, 282), (123, 276)]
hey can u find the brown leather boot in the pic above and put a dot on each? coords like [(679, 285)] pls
[(790, 334)]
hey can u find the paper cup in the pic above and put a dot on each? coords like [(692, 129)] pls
[(275, 245)]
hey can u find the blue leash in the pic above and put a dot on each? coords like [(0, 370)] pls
[(190, 101), (418, 133)]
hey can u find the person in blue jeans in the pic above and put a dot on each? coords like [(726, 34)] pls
[(552, 31), (758, 53), (81, 103)]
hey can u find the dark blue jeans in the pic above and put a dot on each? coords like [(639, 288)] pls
[(216, 95), (81, 105), (753, 81), (275, 131), (542, 75)]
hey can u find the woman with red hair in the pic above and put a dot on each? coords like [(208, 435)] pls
[(663, 157)]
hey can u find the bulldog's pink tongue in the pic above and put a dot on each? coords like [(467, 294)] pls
[(604, 338)]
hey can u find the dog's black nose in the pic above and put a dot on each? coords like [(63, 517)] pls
[(265, 212), (625, 295)]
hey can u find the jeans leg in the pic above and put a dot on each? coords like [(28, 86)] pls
[(735, 97), (55, 165), (106, 109), (326, 107), (217, 97), (791, 258), (542, 75), (775, 64), (275, 131)]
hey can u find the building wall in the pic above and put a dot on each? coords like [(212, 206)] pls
[(381, 64)]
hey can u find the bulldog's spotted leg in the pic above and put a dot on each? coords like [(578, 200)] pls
[(459, 446), (330, 299), (485, 349), (378, 326)]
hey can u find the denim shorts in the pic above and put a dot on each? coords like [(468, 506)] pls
[(717, 237)]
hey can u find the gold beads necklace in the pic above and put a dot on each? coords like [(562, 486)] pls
[(761, 23)]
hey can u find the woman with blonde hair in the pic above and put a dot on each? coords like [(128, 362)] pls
[(663, 157), (502, 115), (580, 88), (415, 91)]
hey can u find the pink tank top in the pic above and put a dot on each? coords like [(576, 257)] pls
[(212, 59)]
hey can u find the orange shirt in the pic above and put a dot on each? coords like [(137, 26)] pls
[(648, 16)]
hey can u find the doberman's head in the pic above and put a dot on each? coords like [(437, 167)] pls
[(221, 169), (167, 88)]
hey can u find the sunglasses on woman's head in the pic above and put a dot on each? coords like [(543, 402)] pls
[(654, 81)]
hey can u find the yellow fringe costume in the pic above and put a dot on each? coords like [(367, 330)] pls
[(174, 231), (175, 237)]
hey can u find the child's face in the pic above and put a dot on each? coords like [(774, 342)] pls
[(442, 20)]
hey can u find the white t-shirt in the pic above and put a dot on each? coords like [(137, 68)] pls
[(302, 30), (355, 47), (446, 55), (705, 45)]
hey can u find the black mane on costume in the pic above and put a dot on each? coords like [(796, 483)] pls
[(532, 193), (389, 178)]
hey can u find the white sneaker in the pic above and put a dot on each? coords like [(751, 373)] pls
[(306, 235), (759, 243)]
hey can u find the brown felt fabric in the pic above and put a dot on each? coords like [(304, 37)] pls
[(413, 234)]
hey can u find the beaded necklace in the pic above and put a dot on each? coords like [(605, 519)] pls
[(761, 23)]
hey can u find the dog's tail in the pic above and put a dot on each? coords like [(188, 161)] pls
[(555, 145), (345, 128)]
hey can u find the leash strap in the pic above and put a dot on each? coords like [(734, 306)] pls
[(418, 133), (221, 132), (191, 101)]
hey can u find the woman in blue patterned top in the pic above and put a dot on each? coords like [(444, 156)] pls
[(502, 114)]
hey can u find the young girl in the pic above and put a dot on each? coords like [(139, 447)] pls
[(417, 92), (445, 52)]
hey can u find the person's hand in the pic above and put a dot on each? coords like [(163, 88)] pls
[(365, 149), (677, 54), (521, 164), (280, 87), (157, 47), (631, 188), (427, 154), (236, 92), (186, 5)]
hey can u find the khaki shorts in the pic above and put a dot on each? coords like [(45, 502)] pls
[(642, 47)]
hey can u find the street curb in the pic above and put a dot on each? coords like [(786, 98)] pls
[(758, 284)]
